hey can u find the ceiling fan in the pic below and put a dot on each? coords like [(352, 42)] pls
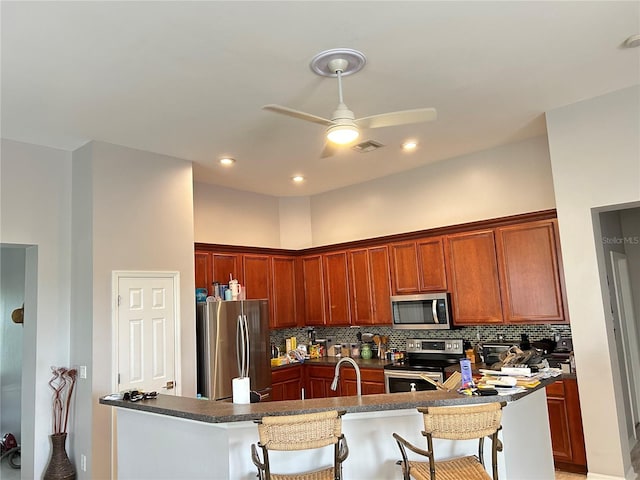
[(343, 128)]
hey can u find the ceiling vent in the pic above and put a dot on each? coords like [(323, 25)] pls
[(368, 146)]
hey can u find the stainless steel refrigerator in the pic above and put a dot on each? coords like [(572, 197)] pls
[(233, 341)]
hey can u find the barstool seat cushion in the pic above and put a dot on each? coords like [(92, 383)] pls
[(324, 474), (455, 469)]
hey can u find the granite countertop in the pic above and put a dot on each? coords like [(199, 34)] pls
[(210, 411), (331, 362)]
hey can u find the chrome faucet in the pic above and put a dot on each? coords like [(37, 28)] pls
[(334, 384)]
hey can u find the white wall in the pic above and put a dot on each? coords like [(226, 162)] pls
[(506, 180), (595, 157), (142, 219), (35, 210), (295, 222), (12, 284), (233, 217)]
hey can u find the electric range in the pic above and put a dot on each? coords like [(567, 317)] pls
[(424, 357)]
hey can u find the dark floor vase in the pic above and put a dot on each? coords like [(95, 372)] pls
[(59, 467)]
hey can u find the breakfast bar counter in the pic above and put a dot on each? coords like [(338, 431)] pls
[(188, 438)]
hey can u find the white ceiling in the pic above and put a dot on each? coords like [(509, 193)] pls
[(188, 79)]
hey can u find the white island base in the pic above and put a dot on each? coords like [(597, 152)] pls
[(153, 446)]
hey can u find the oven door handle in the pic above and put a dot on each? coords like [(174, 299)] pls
[(412, 375)]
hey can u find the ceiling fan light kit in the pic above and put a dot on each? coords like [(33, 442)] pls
[(343, 128), (342, 134)]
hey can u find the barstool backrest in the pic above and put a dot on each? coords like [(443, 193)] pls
[(300, 432), (463, 422)]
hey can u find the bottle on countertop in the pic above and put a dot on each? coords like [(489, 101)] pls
[(479, 351), (469, 352)]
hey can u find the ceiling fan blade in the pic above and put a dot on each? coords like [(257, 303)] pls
[(298, 114), (329, 149), (403, 117)]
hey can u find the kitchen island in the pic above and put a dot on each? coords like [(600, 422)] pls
[(187, 438)]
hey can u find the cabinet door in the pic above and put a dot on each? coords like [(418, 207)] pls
[(204, 271), (370, 286), (313, 290), (257, 276), (286, 384), (380, 285), (473, 278), (431, 264), (336, 288), (319, 379), (576, 433), (372, 381), (404, 268), (559, 422), (530, 273), (283, 292), (361, 289), (225, 265)]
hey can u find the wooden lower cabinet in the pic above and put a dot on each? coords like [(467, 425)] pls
[(318, 382), (286, 383), (371, 381), (565, 423), (320, 377)]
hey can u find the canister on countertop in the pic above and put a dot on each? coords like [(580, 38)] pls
[(345, 350), (365, 351), (355, 350)]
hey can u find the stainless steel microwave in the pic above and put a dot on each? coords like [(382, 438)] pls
[(428, 311)]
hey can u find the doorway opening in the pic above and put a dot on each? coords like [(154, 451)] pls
[(620, 243), (18, 281)]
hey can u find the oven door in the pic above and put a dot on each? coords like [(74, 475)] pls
[(400, 380)]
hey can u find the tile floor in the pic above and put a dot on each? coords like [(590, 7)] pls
[(8, 473)]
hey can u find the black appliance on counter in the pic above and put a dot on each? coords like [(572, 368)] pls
[(424, 357)]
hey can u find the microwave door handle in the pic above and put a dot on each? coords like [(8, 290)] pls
[(434, 309)]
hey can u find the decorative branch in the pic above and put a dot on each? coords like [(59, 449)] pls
[(62, 383)]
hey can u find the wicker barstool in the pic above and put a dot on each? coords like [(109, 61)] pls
[(301, 432), (455, 423)]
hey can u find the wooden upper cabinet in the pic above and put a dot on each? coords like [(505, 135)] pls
[(283, 294), (431, 264), (531, 278), (404, 268), (257, 276), (312, 274), (204, 271), (336, 288), (418, 266), (370, 286), (473, 278), (225, 264)]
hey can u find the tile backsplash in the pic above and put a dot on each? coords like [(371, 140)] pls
[(397, 338)]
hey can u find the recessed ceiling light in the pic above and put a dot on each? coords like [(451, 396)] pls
[(227, 161), (409, 145), (297, 179), (632, 41)]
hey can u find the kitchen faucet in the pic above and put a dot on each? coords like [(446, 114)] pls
[(334, 384)]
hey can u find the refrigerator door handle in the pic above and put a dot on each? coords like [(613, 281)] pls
[(240, 345), (247, 346)]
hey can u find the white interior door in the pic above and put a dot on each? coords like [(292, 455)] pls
[(624, 303), (146, 323)]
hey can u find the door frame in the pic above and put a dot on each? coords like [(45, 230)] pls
[(116, 275), (626, 324)]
